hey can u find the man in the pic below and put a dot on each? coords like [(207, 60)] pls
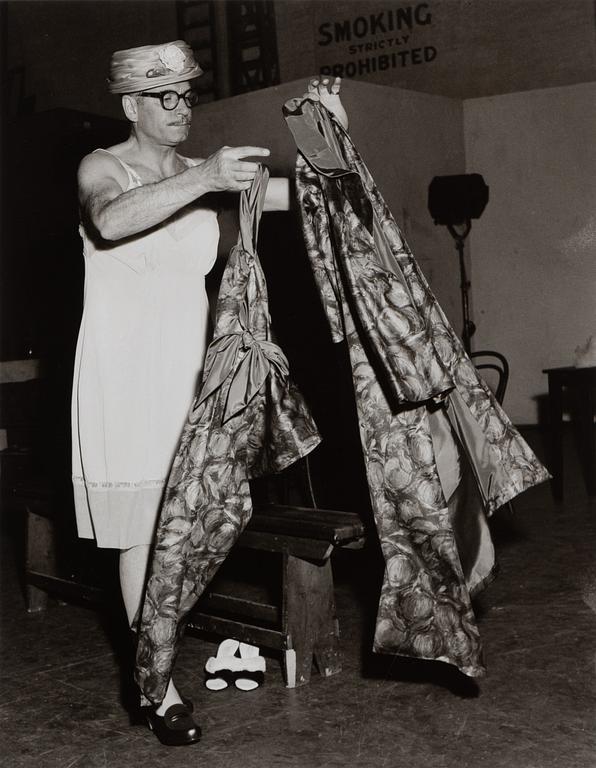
[(149, 239)]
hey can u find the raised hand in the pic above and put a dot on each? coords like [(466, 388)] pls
[(226, 171), (327, 93)]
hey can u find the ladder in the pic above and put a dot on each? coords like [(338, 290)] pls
[(197, 26), (252, 45), (234, 42)]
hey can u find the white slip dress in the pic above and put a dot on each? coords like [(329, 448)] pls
[(142, 340)]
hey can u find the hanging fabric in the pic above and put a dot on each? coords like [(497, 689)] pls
[(247, 420), (427, 421)]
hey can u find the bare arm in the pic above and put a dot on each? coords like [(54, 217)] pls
[(117, 214), (278, 196)]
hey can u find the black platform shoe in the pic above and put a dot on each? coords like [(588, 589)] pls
[(175, 727)]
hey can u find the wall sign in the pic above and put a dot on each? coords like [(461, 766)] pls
[(392, 37)]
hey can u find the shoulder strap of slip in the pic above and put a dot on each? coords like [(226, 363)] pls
[(133, 176)]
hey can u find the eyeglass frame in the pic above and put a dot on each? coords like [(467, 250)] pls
[(161, 94)]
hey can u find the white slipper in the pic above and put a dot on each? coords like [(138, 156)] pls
[(251, 672), (220, 669)]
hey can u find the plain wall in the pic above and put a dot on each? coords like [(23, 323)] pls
[(405, 138), (534, 248)]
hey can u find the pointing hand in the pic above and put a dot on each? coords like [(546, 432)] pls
[(227, 171)]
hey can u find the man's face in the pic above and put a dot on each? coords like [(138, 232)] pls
[(169, 127)]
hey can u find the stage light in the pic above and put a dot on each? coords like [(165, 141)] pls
[(457, 199)]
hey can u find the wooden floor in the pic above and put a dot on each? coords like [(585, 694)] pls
[(63, 700)]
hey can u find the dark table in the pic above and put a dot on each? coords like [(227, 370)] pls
[(582, 382)]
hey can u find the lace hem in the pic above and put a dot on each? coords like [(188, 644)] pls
[(117, 484)]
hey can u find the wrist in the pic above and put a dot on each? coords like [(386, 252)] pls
[(198, 184)]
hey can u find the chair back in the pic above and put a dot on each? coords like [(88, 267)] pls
[(494, 362)]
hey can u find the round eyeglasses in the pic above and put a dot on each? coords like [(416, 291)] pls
[(169, 99)]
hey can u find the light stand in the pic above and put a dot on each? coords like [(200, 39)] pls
[(454, 201), (469, 327)]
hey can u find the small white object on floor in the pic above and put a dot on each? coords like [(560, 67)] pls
[(230, 662), (252, 661), (224, 659)]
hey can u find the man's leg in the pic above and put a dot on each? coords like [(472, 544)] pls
[(133, 570)]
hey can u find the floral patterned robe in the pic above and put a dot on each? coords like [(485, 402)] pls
[(415, 389), (247, 420)]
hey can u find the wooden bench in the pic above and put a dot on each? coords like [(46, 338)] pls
[(304, 626), (42, 572)]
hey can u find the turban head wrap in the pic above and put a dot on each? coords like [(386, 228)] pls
[(136, 69)]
